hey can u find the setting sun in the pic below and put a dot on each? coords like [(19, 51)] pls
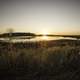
[(44, 32)]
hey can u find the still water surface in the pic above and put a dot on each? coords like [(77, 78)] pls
[(33, 39)]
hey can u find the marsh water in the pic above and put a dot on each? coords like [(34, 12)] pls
[(33, 39)]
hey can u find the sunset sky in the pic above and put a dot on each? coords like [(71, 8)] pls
[(40, 16)]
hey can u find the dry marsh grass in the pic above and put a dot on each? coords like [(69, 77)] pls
[(36, 61)]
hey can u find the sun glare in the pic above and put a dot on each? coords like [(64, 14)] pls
[(44, 33)]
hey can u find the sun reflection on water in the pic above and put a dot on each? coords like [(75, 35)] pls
[(45, 37)]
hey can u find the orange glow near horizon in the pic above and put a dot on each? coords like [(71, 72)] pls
[(44, 33), (40, 30)]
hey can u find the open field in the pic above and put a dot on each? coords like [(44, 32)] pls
[(43, 60)]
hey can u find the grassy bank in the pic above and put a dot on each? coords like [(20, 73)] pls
[(44, 60)]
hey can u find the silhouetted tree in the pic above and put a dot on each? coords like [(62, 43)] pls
[(10, 31)]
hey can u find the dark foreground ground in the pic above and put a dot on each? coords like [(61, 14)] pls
[(46, 60)]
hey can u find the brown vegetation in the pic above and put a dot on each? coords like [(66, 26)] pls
[(45, 60)]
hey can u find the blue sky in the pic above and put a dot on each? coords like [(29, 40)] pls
[(40, 16)]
